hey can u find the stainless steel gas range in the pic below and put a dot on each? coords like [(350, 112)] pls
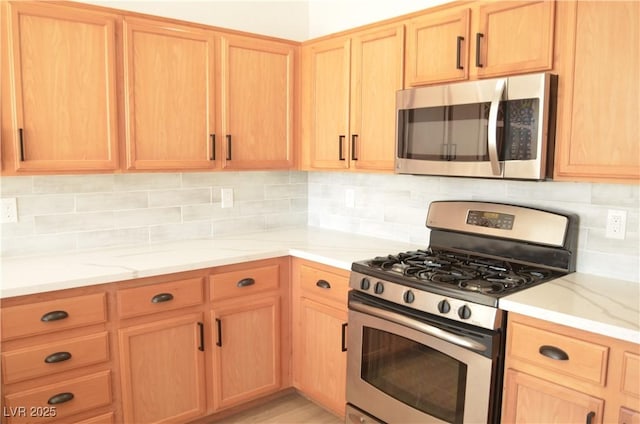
[(426, 333)]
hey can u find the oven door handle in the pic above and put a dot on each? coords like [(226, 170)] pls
[(492, 137), (417, 325)]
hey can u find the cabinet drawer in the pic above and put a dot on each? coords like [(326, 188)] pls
[(159, 297), (630, 373), (54, 315), (244, 282), (36, 361), (83, 393), (100, 419), (582, 360), (316, 282)]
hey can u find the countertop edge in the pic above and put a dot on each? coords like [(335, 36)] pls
[(579, 323)]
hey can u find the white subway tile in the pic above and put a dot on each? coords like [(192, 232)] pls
[(110, 238), (73, 183), (186, 231), (179, 197), (66, 223), (16, 186), (147, 181), (241, 225), (146, 217), (39, 244), (112, 201), (45, 204)]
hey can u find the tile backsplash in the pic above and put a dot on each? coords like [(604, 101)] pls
[(75, 212), (66, 213), (395, 207)]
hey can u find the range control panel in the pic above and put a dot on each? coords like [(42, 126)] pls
[(501, 221)]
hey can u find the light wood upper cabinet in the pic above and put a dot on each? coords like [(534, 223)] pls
[(257, 103), (599, 92), (376, 75), (514, 37), (328, 83), (438, 47), (169, 96), (480, 40), (62, 72), (349, 111)]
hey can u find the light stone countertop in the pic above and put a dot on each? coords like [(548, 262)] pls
[(587, 302)]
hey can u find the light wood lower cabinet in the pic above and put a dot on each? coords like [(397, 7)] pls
[(557, 374), (163, 371), (247, 350), (319, 333), (533, 400), (56, 358), (249, 330)]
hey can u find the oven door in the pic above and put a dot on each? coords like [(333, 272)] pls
[(401, 369)]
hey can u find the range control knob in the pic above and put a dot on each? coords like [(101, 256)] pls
[(409, 297), (464, 312), (365, 284), (379, 288), (444, 307)]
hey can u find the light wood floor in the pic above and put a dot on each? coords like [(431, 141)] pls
[(289, 409)]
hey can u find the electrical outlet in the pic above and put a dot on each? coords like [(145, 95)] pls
[(349, 198), (227, 197), (616, 224), (9, 210)]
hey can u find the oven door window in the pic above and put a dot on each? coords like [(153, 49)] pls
[(414, 374)]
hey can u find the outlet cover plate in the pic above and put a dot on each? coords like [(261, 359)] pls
[(9, 210)]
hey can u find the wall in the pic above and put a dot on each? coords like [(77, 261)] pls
[(395, 207), (257, 16), (91, 211), (329, 16)]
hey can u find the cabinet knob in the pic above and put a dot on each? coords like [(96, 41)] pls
[(54, 316), (246, 282), (553, 352), (60, 398), (162, 297), (323, 284), (57, 357)]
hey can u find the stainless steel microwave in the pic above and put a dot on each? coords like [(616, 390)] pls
[(493, 128)]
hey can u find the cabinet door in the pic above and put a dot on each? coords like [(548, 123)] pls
[(528, 399), (169, 96), (627, 416), (258, 92), (599, 92), (247, 339), (514, 37), (322, 358), (438, 48), (329, 103), (377, 60), (162, 370), (63, 88)]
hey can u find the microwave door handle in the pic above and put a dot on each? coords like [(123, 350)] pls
[(417, 325), (493, 127)]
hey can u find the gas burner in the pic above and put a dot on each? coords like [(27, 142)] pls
[(481, 286)]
